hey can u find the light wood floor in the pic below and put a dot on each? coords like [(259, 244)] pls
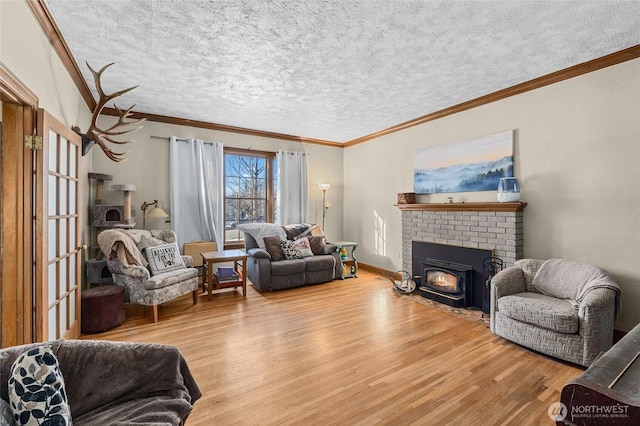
[(348, 352)]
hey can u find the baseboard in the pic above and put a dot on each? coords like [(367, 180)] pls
[(375, 269)]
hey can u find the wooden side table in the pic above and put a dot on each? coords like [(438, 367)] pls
[(239, 259), (348, 257)]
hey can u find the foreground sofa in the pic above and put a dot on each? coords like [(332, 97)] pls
[(267, 272), (559, 307), (117, 382)]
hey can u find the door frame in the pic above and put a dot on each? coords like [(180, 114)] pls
[(19, 106)]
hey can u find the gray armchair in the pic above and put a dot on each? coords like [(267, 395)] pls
[(127, 265), (557, 307)]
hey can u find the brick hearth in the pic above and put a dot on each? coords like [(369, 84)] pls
[(488, 226)]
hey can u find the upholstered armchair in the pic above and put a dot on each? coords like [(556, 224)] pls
[(164, 280), (558, 307)]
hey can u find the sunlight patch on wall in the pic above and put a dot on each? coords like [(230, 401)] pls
[(380, 235)]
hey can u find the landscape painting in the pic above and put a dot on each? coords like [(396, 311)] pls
[(464, 166)]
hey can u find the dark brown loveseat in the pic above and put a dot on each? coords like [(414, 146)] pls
[(118, 382)]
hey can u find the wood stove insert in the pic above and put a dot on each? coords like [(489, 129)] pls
[(456, 255), (446, 282)]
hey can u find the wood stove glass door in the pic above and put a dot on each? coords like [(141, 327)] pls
[(443, 281)]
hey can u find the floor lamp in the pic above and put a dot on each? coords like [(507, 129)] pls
[(324, 187)]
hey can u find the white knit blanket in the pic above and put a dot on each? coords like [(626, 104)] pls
[(567, 279)]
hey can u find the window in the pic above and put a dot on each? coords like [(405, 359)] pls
[(250, 189)]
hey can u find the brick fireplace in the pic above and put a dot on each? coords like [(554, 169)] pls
[(489, 226), (467, 234)]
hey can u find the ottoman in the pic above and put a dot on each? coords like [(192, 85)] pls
[(102, 308)]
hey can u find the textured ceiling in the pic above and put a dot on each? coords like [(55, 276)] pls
[(331, 69)]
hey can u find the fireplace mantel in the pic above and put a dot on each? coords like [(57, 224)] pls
[(468, 207)]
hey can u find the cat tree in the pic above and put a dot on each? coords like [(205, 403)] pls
[(106, 217)]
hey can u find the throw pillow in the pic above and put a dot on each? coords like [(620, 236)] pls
[(164, 258), (317, 244), (272, 245), (36, 389), (289, 250), (302, 244)]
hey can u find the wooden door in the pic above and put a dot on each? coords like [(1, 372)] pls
[(16, 217), (58, 230)]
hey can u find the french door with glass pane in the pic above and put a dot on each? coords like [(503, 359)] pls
[(58, 225)]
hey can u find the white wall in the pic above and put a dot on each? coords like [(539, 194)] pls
[(147, 167), (577, 153), (25, 50)]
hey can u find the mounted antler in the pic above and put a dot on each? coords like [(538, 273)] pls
[(102, 136)]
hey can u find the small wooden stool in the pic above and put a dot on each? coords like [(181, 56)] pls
[(102, 308)]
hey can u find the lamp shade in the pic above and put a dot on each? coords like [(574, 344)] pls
[(156, 213), (325, 186)]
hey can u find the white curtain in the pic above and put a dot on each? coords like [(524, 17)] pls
[(293, 188), (197, 190)]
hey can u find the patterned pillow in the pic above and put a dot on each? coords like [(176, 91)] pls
[(164, 258), (36, 389), (289, 250), (303, 245)]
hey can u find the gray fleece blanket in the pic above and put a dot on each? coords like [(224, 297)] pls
[(112, 383), (567, 279)]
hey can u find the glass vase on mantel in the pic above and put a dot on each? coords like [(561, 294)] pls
[(508, 190)]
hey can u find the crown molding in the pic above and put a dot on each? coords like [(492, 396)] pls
[(555, 77), (221, 127)]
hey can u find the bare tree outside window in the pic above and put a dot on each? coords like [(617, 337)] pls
[(249, 190)]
